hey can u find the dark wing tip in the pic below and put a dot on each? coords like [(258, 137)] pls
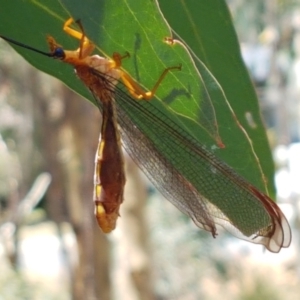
[(280, 235)]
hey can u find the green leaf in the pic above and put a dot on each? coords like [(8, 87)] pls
[(192, 99), (137, 27)]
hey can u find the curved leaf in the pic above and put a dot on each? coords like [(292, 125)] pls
[(137, 27), (192, 99)]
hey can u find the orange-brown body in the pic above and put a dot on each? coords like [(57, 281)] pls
[(109, 174), (100, 75)]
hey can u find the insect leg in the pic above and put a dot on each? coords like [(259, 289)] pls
[(86, 47), (137, 91)]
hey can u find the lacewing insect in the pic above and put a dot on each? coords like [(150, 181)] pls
[(199, 184)]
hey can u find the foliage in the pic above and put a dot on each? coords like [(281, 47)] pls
[(208, 90)]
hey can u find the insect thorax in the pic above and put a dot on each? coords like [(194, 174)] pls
[(99, 76)]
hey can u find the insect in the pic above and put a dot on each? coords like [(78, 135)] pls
[(206, 189)]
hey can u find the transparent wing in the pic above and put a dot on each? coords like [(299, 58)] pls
[(195, 180)]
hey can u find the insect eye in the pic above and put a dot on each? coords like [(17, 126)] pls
[(59, 53)]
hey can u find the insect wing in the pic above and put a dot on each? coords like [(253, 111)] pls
[(194, 180)]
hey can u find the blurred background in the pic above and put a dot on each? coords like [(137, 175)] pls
[(50, 246)]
